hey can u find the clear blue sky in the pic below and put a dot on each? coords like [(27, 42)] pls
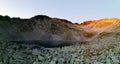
[(73, 10)]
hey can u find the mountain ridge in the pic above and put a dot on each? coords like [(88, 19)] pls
[(45, 28)]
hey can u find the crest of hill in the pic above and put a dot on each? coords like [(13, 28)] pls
[(101, 24), (47, 17), (103, 21)]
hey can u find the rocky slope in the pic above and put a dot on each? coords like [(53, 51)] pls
[(39, 28), (97, 41), (53, 31), (96, 28)]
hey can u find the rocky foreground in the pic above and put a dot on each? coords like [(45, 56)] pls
[(91, 53)]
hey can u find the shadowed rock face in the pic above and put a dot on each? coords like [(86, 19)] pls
[(39, 28)]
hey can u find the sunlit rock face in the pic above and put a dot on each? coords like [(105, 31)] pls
[(95, 28), (101, 25)]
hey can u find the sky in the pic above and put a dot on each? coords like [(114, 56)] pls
[(72, 10)]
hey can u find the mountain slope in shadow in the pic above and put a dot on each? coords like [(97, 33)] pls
[(52, 31)]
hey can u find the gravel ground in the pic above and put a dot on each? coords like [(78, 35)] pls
[(95, 53)]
